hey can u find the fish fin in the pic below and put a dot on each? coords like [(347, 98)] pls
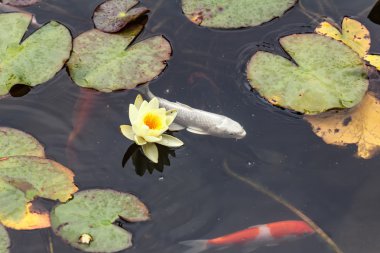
[(187, 106), (196, 131), (176, 127), (145, 91), (196, 246)]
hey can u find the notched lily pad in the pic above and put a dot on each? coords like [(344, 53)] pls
[(106, 62), (4, 240), (324, 74), (35, 60), (20, 2), (233, 13), (92, 213), (359, 125), (14, 142), (113, 15), (24, 178)]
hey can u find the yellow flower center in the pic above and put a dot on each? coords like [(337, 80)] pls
[(153, 121)]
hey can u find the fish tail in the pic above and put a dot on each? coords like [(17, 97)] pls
[(145, 91), (196, 246)]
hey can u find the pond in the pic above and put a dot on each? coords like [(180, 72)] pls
[(202, 189)]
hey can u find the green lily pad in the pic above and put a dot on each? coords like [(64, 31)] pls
[(233, 13), (20, 2), (35, 60), (14, 142), (324, 74), (22, 179), (93, 213), (4, 240), (113, 15), (106, 62)]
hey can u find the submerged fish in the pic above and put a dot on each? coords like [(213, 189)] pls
[(254, 237), (9, 8), (198, 121)]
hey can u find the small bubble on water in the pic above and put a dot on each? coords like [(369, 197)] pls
[(167, 91), (161, 178), (250, 164)]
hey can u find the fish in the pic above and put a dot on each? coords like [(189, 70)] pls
[(198, 121), (9, 8), (254, 237)]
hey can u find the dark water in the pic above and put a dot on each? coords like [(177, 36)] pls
[(194, 197)]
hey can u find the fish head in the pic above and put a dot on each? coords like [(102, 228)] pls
[(230, 129)]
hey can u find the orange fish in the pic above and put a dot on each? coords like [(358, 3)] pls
[(254, 237)]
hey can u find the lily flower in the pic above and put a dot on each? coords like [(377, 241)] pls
[(149, 122)]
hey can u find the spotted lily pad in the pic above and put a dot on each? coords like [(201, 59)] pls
[(22, 179), (35, 60), (114, 15), (233, 13), (14, 142), (324, 74), (92, 214), (106, 62), (20, 2), (4, 240)]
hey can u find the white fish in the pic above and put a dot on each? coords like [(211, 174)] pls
[(198, 121), (9, 8)]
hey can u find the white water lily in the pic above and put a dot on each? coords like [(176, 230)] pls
[(148, 125)]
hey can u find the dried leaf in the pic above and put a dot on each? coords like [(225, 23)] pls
[(359, 125), (20, 2)]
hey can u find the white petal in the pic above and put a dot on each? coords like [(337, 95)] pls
[(154, 104), (139, 140), (150, 150), (170, 141), (170, 116), (133, 113), (127, 131), (138, 101), (152, 138)]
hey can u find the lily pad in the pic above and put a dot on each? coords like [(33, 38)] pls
[(324, 74), (35, 60), (114, 15), (14, 142), (358, 125), (93, 213), (4, 240), (233, 13), (22, 179), (106, 62), (20, 2)]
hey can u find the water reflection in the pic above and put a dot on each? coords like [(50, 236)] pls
[(374, 15), (142, 164)]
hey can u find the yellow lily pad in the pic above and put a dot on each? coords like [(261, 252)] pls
[(353, 33), (359, 126)]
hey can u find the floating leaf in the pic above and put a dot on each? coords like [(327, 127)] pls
[(93, 213), (15, 142), (35, 60), (354, 34), (4, 240), (374, 60), (325, 74), (114, 15), (234, 14), (359, 125), (106, 62), (20, 2), (22, 179)]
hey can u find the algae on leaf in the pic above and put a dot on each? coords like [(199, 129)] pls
[(234, 13), (106, 62), (92, 214), (4, 240), (35, 60), (24, 178), (114, 15), (325, 74), (14, 142)]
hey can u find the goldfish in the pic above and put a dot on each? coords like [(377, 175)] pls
[(254, 237)]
